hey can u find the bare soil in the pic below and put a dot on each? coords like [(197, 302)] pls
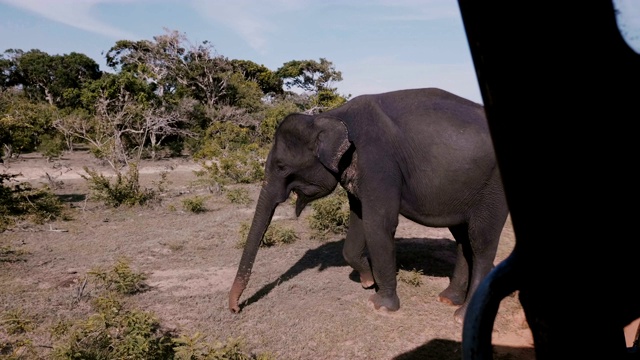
[(303, 301)]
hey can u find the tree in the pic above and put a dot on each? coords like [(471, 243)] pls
[(157, 62), (163, 122), (116, 103), (309, 75), (243, 93), (206, 75), (173, 65), (23, 123), (51, 78), (7, 69), (126, 117), (267, 80)]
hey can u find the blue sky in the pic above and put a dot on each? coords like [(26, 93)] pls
[(378, 45)]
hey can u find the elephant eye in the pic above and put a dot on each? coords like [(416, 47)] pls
[(281, 167)]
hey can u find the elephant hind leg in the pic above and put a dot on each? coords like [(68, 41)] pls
[(456, 292)]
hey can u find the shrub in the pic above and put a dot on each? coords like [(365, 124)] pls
[(115, 333), (9, 254), (239, 196), (125, 190), (23, 202), (243, 167), (16, 322), (51, 146), (237, 167), (194, 347), (275, 235), (330, 214), (194, 204), (413, 277), (224, 136), (120, 278), (18, 349)]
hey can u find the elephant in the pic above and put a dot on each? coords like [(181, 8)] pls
[(424, 153)]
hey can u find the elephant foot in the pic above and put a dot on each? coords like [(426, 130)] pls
[(458, 315), (366, 280), (390, 303), (451, 297)]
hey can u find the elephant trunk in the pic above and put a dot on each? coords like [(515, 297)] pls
[(262, 218)]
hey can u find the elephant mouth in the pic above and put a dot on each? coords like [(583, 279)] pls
[(301, 202), (303, 199)]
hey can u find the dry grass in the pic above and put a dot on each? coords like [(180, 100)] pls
[(302, 302)]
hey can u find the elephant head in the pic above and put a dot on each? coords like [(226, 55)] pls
[(305, 159)]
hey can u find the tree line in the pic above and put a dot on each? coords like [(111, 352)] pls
[(160, 98)]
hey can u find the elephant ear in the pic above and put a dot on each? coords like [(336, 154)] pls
[(332, 141)]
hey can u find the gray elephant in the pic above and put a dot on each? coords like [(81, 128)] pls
[(423, 153)]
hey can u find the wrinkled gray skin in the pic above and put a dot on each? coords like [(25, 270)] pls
[(423, 153)]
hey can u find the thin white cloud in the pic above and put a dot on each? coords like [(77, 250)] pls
[(252, 20), (422, 9), (73, 13)]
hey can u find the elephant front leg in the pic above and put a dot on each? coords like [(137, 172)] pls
[(354, 251), (380, 240), (383, 262)]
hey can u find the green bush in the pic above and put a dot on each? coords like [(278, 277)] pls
[(238, 167), (18, 349), (8, 254), (275, 235), (238, 196), (23, 202), (330, 214), (16, 321), (125, 189), (23, 123), (194, 348), (224, 136), (413, 277), (115, 333), (194, 204), (51, 146), (242, 167), (121, 278), (17, 325)]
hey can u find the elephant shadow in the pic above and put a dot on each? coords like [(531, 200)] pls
[(432, 257), (442, 349)]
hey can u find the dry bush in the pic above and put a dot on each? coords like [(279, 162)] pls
[(275, 235), (330, 214), (23, 202), (194, 204), (124, 190)]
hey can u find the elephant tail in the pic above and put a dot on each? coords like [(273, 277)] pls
[(483, 308)]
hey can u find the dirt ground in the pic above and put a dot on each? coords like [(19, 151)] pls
[(302, 302)]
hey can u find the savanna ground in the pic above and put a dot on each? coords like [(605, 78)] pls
[(302, 302)]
